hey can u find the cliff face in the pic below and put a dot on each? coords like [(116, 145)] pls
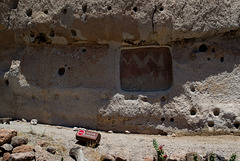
[(144, 66)]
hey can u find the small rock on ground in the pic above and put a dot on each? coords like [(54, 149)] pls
[(7, 147), (22, 156), (6, 135), (23, 149), (17, 141)]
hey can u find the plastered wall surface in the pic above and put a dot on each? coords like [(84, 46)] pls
[(153, 67)]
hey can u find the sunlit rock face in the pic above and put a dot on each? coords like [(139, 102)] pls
[(153, 67)]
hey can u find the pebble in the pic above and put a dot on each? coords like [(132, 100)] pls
[(110, 131), (23, 120), (34, 122), (75, 129), (127, 132)]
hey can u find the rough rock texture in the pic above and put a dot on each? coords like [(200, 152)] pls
[(41, 154), (23, 149), (61, 63), (6, 135), (18, 140), (28, 156)]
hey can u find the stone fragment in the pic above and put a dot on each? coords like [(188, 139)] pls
[(23, 120), (34, 122), (192, 155), (18, 140), (127, 132), (110, 131), (216, 157), (76, 153), (6, 156), (23, 149), (177, 157), (28, 156), (120, 159), (42, 143), (51, 150), (6, 135), (75, 129), (173, 135), (7, 147), (43, 155)]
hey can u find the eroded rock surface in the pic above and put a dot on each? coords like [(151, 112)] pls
[(91, 64)]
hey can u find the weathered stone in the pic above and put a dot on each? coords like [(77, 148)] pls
[(6, 156), (34, 122), (216, 157), (28, 156), (19, 140), (51, 150), (7, 147), (43, 143), (148, 159), (76, 153), (22, 149), (6, 135), (43, 155), (107, 157)]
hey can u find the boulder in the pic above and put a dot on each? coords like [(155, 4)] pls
[(17, 141), (76, 153), (6, 135), (23, 149), (7, 147), (28, 156)]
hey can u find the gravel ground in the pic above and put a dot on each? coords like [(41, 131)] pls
[(134, 147)]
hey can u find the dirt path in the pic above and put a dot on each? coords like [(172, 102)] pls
[(134, 147)]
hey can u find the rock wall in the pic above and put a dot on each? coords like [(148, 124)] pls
[(152, 67)]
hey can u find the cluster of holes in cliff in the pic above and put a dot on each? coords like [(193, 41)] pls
[(193, 111), (13, 4), (84, 8), (109, 8), (41, 38), (45, 11), (64, 11), (29, 12), (51, 33), (135, 9), (210, 123), (6, 82), (61, 71), (73, 32), (216, 111), (163, 99), (192, 88), (163, 119), (236, 124)]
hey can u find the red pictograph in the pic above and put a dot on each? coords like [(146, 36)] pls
[(81, 132)]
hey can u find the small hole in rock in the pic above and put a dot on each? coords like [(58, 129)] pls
[(192, 88), (109, 8), (69, 68), (106, 159), (213, 50), (162, 119), (33, 97), (6, 82), (14, 4), (65, 65), (193, 111), (163, 99), (172, 119), (210, 123), (32, 34), (29, 12), (203, 48), (135, 9), (144, 99), (236, 124), (64, 11), (222, 59), (84, 50), (208, 59), (74, 33), (61, 71), (52, 33), (216, 112), (45, 11), (84, 8), (161, 8), (41, 38)]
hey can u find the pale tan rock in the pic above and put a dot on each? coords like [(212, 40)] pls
[(6, 135), (22, 156), (22, 149)]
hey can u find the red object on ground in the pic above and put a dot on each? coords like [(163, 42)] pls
[(88, 136)]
